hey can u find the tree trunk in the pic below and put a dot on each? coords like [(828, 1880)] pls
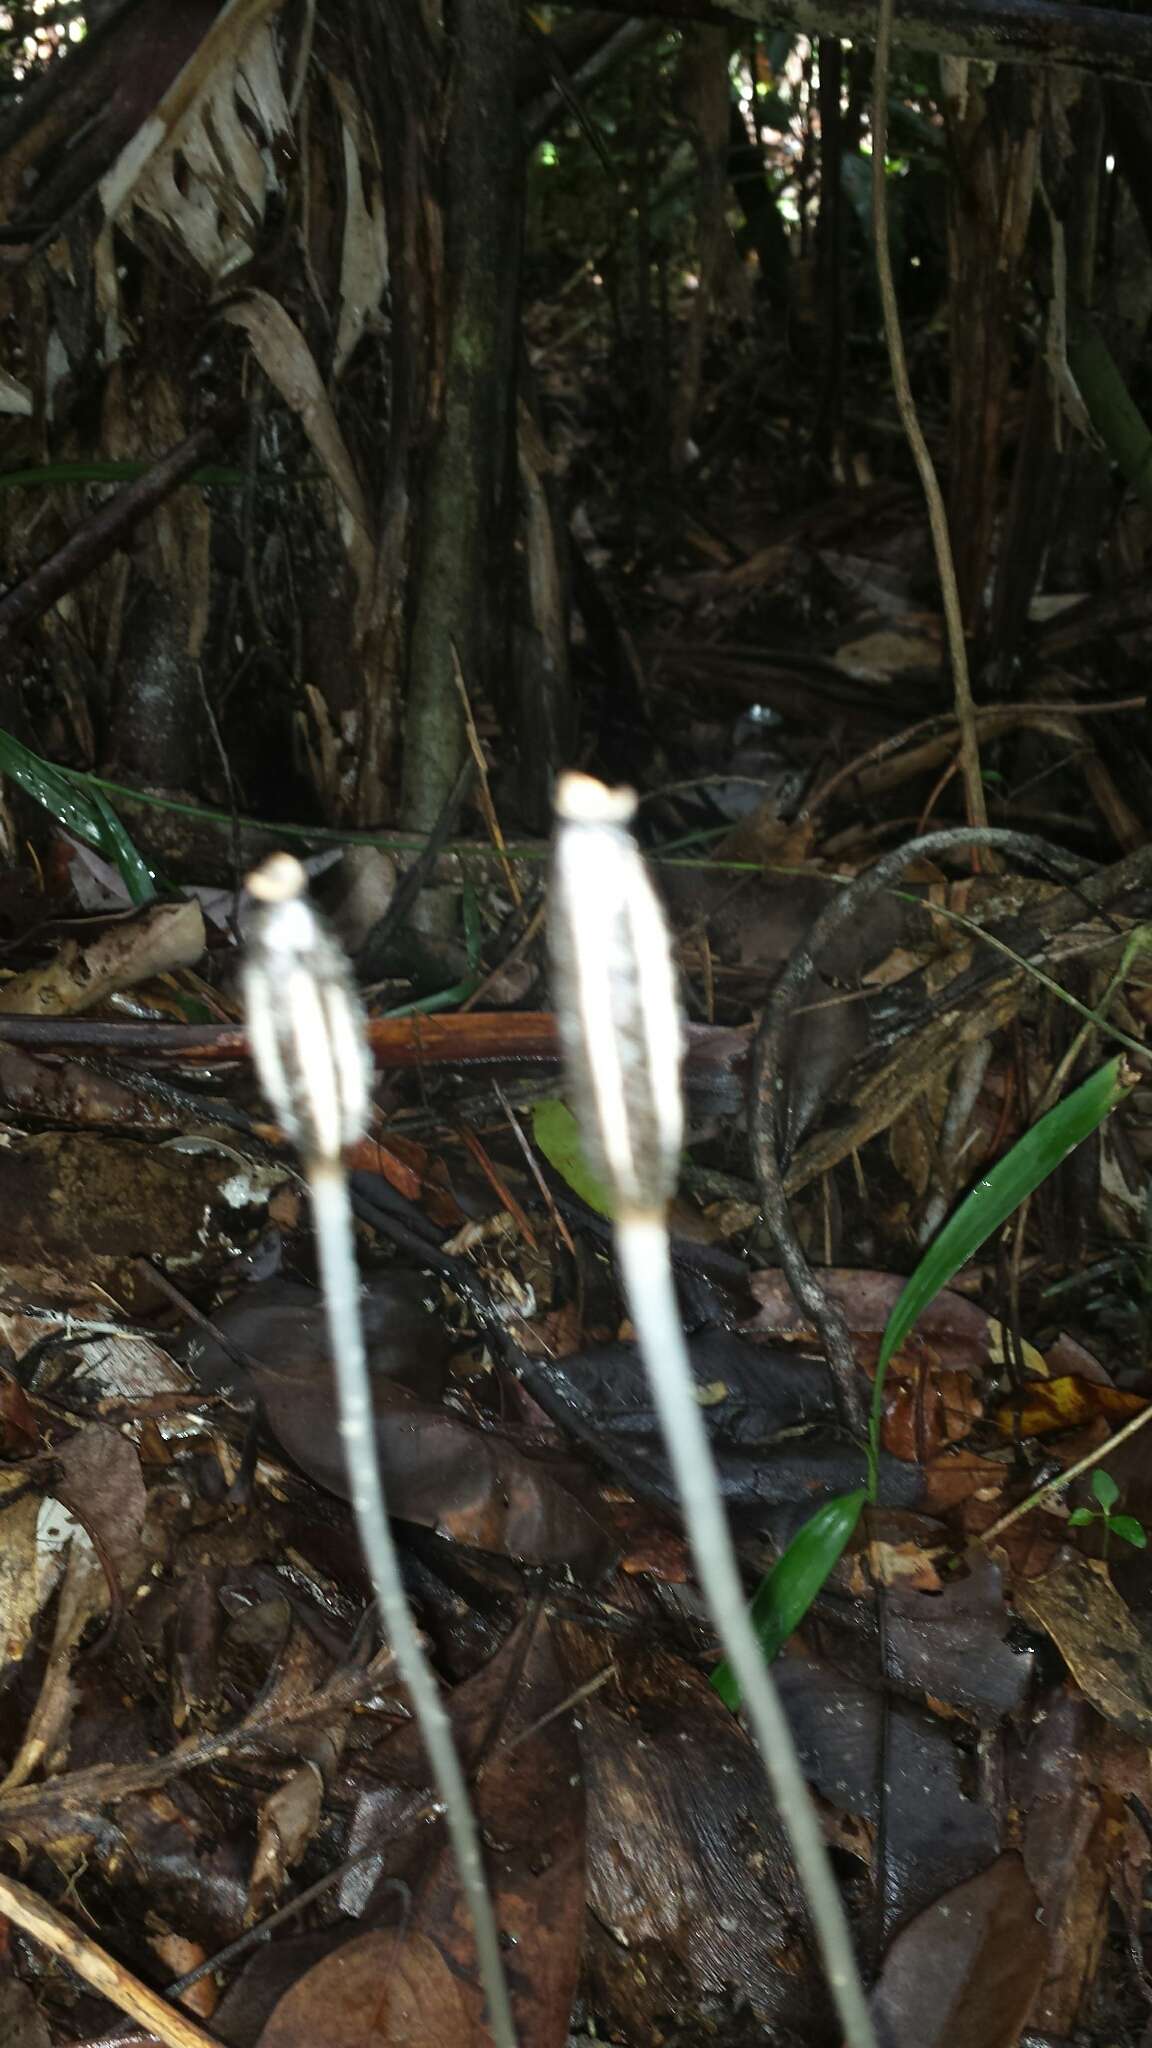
[(307, 222)]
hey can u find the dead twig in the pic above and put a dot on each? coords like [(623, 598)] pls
[(98, 1968), (1063, 1480), (110, 526), (990, 719)]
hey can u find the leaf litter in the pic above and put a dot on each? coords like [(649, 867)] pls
[(197, 1725)]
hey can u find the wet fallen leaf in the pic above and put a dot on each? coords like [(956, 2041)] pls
[(964, 1973), (1075, 1786), (938, 1829), (953, 1646), (775, 1432)]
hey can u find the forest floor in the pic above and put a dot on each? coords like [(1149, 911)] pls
[(209, 1767)]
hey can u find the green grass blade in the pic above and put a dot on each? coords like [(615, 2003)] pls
[(1034, 1156), (783, 1598)]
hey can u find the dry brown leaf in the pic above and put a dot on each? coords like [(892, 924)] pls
[(364, 247), (285, 357), (881, 657), (376, 1988), (1100, 1639), (216, 208), (289, 1818), (166, 936)]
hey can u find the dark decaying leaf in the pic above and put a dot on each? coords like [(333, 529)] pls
[(281, 1323), (694, 1904), (964, 1973), (22, 2024), (100, 1483), (952, 1645), (938, 1829), (953, 1326), (440, 1471), (771, 1416)]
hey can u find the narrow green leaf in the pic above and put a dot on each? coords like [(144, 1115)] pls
[(783, 1598), (1080, 1518), (1105, 1488), (1129, 1530), (86, 813), (558, 1135), (1034, 1156), (135, 873)]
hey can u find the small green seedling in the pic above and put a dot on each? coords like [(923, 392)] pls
[(1107, 1493)]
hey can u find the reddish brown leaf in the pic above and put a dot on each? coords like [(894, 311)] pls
[(964, 1973), (1075, 1788)]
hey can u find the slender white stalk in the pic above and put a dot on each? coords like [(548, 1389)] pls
[(642, 1245), (310, 1048), (335, 1244)]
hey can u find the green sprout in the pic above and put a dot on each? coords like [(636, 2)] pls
[(1107, 1494)]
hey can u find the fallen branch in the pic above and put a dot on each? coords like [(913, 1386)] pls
[(99, 1969)]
